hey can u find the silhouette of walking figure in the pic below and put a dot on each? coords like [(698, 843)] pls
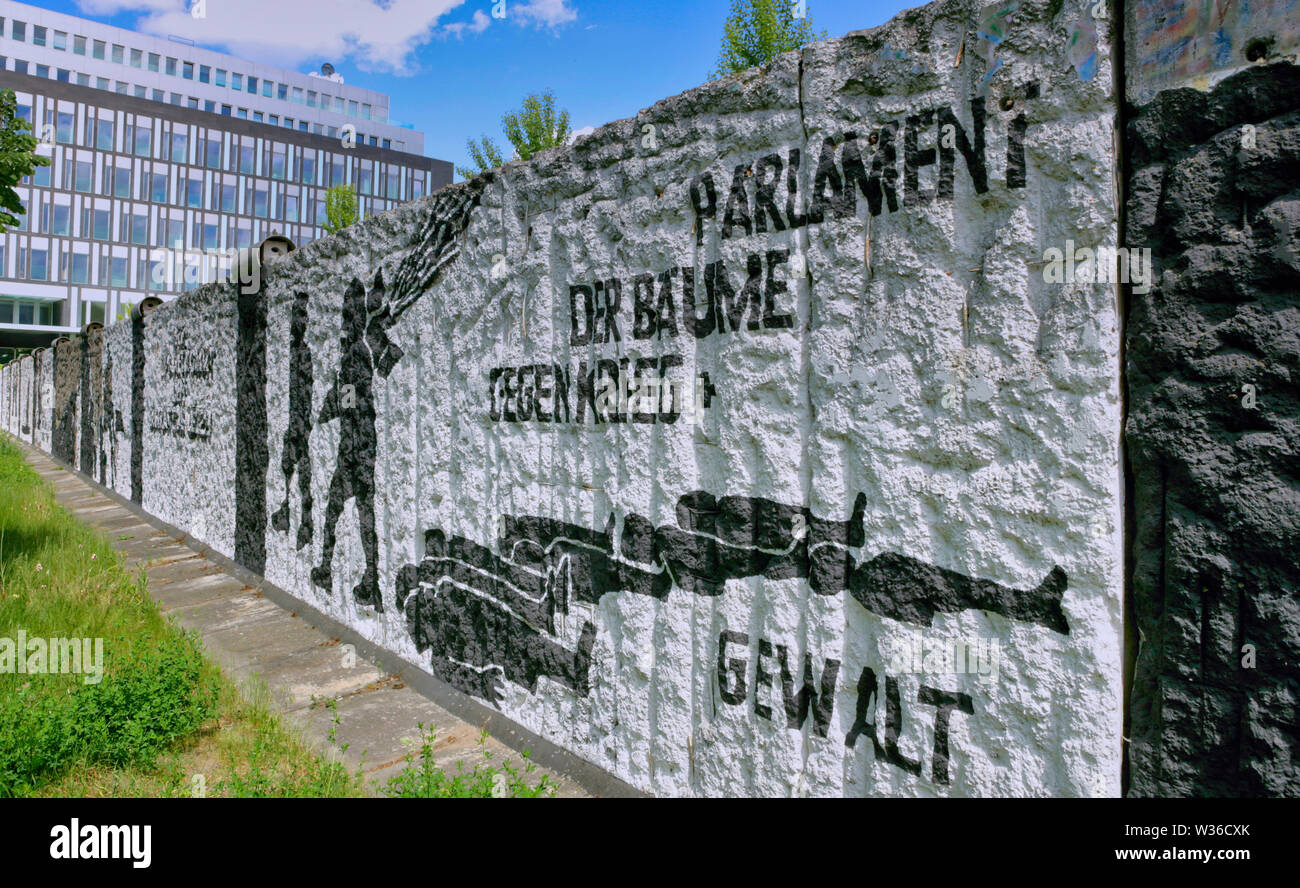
[(367, 350), (296, 455)]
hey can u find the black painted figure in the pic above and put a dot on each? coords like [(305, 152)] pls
[(366, 350), (296, 455), (487, 615)]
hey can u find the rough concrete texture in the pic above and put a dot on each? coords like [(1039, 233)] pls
[(1214, 189), (887, 435)]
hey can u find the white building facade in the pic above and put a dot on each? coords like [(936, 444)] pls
[(166, 158)]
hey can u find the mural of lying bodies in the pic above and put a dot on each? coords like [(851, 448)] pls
[(486, 615)]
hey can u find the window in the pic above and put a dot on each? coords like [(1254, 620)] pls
[(140, 91), (158, 193), (80, 268), (38, 35), (220, 78), (118, 52), (154, 58), (283, 93), (247, 154), (170, 67), (214, 153), (187, 70), (311, 98), (101, 220), (205, 74), (122, 182), (267, 88), (42, 176), (192, 102), (308, 168), (25, 313), (259, 202), (20, 66), (98, 49), (83, 80), (140, 229), (277, 163), (143, 139), (236, 81), (194, 193), (61, 222), (273, 119), (297, 95), (302, 125), (291, 208), (6, 312), (64, 132), (104, 135), (19, 30), (228, 199), (119, 269), (42, 70), (257, 116), (225, 109), (102, 83), (40, 269), (252, 84), (176, 98), (180, 148), (85, 176), (364, 185), (61, 40), (159, 95), (137, 58), (242, 112), (365, 112), (78, 45), (176, 234), (122, 87), (63, 75)]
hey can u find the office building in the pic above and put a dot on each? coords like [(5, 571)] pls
[(166, 158)]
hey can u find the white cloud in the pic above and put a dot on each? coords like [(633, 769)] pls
[(477, 25), (544, 13), (375, 35), (579, 133)]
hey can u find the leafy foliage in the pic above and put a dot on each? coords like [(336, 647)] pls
[(758, 31), (535, 126), (340, 208), (18, 157), (423, 779)]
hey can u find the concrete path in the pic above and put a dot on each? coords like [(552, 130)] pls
[(252, 637)]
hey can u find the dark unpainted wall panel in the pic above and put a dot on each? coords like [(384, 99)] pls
[(1213, 187)]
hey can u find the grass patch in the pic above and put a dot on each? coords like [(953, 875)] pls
[(422, 779), (162, 721)]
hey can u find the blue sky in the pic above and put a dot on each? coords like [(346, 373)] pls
[(453, 69)]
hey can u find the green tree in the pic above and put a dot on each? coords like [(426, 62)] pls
[(758, 31), (485, 154), (537, 125), (18, 157), (340, 208)]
